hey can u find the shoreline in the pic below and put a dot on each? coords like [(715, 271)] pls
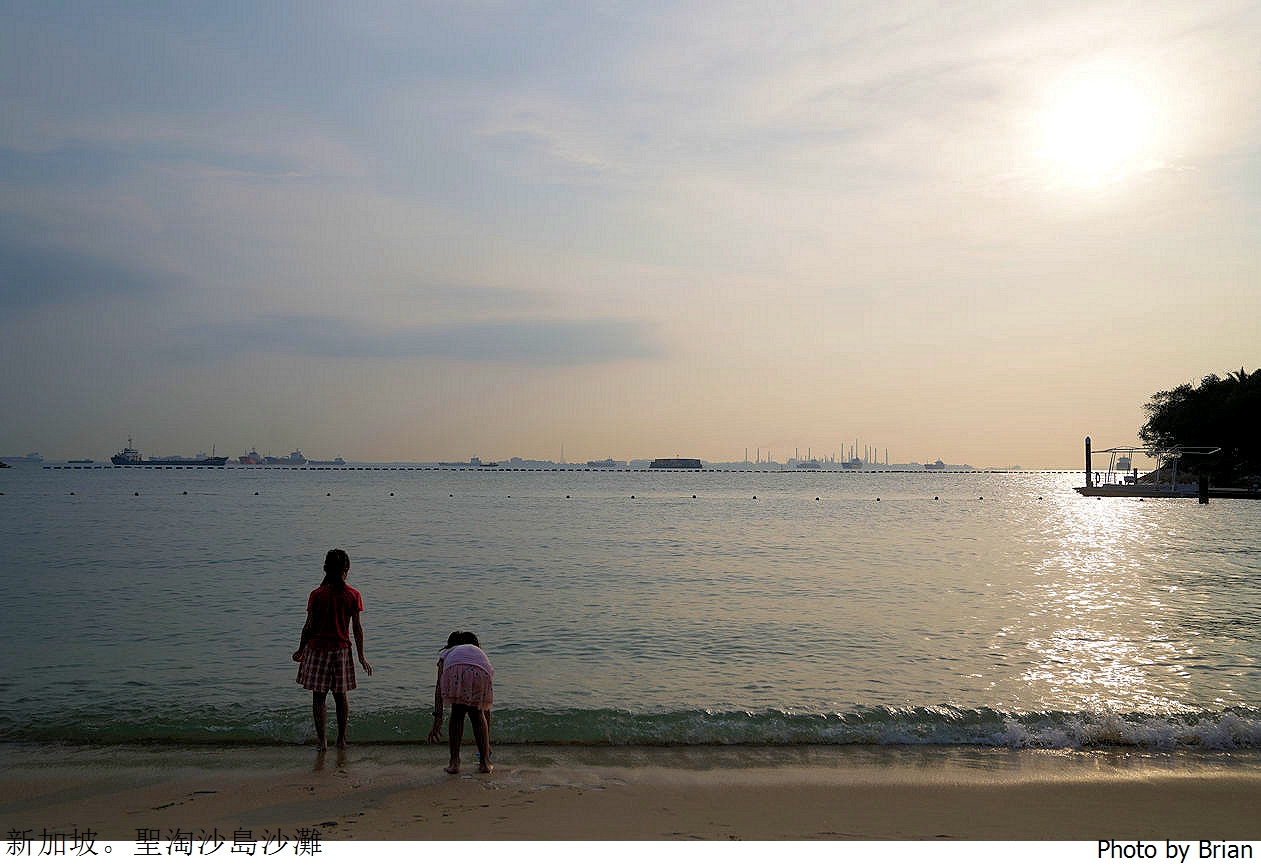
[(400, 793)]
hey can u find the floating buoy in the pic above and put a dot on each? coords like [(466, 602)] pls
[(328, 494), (693, 495), (816, 499), (391, 494), (137, 493), (934, 499), (255, 492), (755, 497), (632, 496), (185, 493), (980, 499), (877, 498)]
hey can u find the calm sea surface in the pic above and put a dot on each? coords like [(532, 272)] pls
[(636, 607)]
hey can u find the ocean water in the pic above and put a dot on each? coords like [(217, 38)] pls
[(636, 608)]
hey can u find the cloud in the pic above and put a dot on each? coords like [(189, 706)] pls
[(547, 342), (33, 276)]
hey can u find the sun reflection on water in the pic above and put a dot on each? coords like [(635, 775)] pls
[(1094, 624)]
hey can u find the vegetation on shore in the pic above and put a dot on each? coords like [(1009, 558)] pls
[(1221, 412)]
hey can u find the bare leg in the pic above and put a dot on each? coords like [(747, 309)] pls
[(342, 701), (455, 733), (481, 734), (487, 714), (319, 712)]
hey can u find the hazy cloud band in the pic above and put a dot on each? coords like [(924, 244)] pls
[(554, 342)]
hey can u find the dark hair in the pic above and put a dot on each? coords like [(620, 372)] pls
[(456, 638), (336, 564)]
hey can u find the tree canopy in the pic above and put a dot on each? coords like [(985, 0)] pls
[(1225, 412)]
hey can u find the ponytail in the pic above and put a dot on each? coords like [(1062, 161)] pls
[(336, 564)]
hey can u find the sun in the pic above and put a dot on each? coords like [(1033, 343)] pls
[(1097, 130)]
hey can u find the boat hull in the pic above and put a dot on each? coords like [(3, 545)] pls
[(1132, 491), (191, 461)]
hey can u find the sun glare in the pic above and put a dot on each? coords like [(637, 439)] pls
[(1097, 131)]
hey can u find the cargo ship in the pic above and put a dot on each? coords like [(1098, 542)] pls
[(251, 459), (295, 458), (675, 463), (129, 456)]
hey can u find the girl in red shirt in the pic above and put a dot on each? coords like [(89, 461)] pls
[(323, 656)]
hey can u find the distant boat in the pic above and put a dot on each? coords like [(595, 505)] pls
[(251, 459), (84, 460), (852, 463), (129, 456), (31, 458), (336, 461), (808, 464), (473, 463), (607, 463), (675, 463), (937, 465), (295, 458)]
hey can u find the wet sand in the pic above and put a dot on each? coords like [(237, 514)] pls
[(400, 793)]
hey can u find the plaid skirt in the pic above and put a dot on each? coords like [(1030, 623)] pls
[(468, 685), (327, 670)]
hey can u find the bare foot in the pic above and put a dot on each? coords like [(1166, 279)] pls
[(321, 747), (453, 769), (484, 767), (341, 744)]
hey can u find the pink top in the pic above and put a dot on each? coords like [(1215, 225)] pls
[(466, 654)]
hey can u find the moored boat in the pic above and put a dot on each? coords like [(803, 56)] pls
[(1161, 483)]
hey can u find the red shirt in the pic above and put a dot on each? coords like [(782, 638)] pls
[(331, 608)]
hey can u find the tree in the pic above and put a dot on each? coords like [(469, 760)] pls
[(1221, 412)]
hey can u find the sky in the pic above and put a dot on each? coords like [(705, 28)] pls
[(426, 231)]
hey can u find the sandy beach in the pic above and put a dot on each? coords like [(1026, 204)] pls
[(400, 793)]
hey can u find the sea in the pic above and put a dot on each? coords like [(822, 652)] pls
[(636, 608)]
